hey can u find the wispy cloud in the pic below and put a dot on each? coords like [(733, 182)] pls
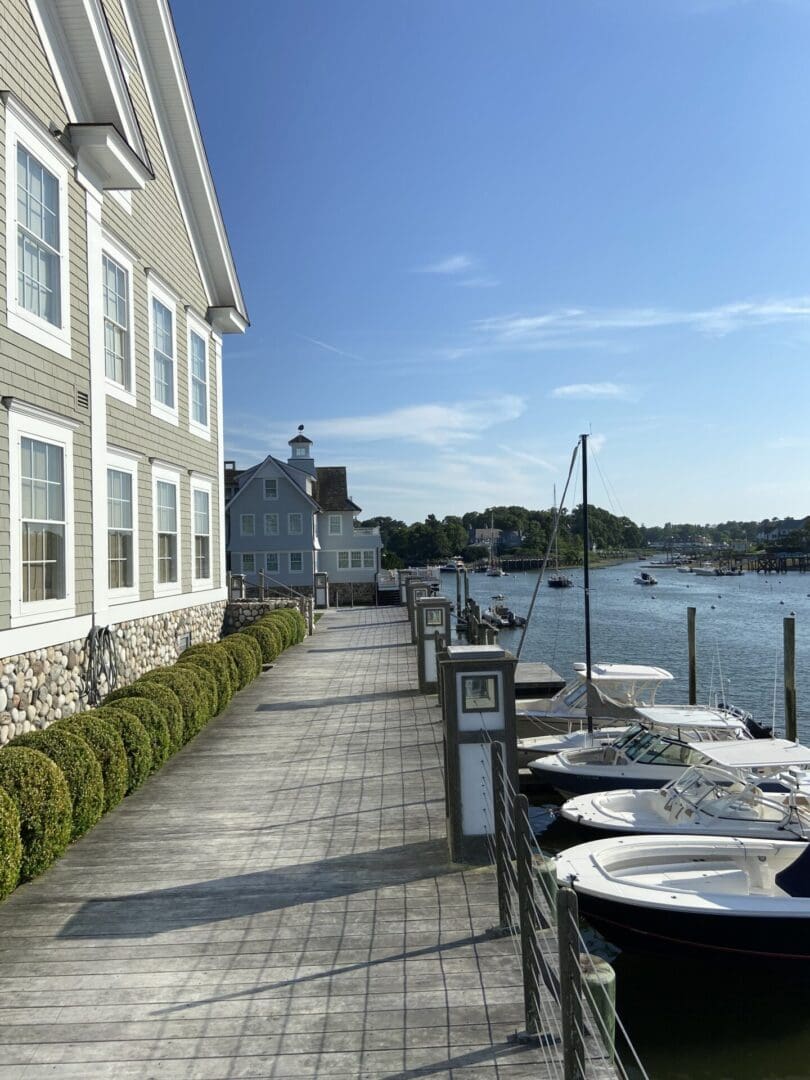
[(432, 424), (453, 264), (330, 348), (552, 329), (593, 391), (482, 282)]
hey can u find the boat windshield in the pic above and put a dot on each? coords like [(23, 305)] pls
[(698, 785), (629, 736), (649, 749), (630, 692), (574, 696)]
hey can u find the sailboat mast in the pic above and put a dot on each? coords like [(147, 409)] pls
[(556, 526), (586, 567)]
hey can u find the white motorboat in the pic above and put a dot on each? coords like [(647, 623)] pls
[(617, 690), (723, 797), (748, 899), (544, 745), (667, 741), (645, 579), (705, 570)]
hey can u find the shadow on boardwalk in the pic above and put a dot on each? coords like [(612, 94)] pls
[(145, 914)]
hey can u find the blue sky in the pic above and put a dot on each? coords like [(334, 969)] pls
[(468, 231)]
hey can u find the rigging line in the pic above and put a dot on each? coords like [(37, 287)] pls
[(607, 484), (549, 545), (775, 683)]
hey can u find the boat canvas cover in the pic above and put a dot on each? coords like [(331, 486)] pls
[(755, 753), (685, 715), (625, 673)]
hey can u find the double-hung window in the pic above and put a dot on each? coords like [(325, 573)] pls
[(296, 562), (198, 377), (270, 487), (343, 560), (357, 559), (120, 533), (368, 560), (248, 562), (36, 232), (163, 352), (271, 524), (116, 323), (247, 524), (201, 533), (271, 562), (295, 524), (41, 502), (335, 525), (122, 526), (167, 531)]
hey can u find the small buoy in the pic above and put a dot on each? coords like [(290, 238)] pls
[(713, 607), (793, 613), (719, 597), (781, 601)]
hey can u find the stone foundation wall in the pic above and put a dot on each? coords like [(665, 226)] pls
[(43, 685), (241, 613)]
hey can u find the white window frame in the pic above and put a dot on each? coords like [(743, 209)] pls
[(198, 326), (300, 451), (156, 291), (170, 476), (128, 464), (242, 519), (369, 564), (274, 479), (35, 424), (252, 555), (23, 129), (290, 530), (333, 518), (271, 555), (355, 555), (290, 555), (271, 532), (347, 557), (113, 250), (206, 582)]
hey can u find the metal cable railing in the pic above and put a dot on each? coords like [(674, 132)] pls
[(568, 1015)]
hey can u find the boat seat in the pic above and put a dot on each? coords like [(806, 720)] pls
[(795, 879)]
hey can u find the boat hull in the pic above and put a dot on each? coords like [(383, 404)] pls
[(570, 783), (662, 929)]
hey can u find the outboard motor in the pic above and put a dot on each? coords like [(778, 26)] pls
[(754, 728)]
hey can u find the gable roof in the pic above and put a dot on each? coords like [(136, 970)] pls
[(331, 489), (244, 477), (105, 135)]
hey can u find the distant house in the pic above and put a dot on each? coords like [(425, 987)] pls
[(289, 520), (497, 539), (778, 528)]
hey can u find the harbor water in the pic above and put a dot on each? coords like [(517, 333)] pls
[(689, 1020)]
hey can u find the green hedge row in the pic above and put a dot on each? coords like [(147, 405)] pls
[(56, 783)]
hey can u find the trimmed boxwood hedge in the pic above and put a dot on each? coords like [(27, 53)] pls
[(136, 742), (217, 663), (186, 687), (80, 768), (105, 741), (166, 700), (41, 793), (281, 625), (268, 641), (247, 653), (151, 716), (10, 845)]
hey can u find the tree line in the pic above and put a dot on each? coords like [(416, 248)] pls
[(437, 539)]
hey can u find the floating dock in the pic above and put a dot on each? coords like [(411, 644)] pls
[(536, 680)]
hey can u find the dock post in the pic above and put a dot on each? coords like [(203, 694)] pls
[(458, 591), (478, 708), (432, 617), (503, 831), (789, 634), (600, 978), (690, 629), (570, 983)]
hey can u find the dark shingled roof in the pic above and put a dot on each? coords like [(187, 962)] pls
[(299, 439), (330, 489)]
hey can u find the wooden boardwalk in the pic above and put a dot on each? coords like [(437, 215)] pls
[(276, 902)]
